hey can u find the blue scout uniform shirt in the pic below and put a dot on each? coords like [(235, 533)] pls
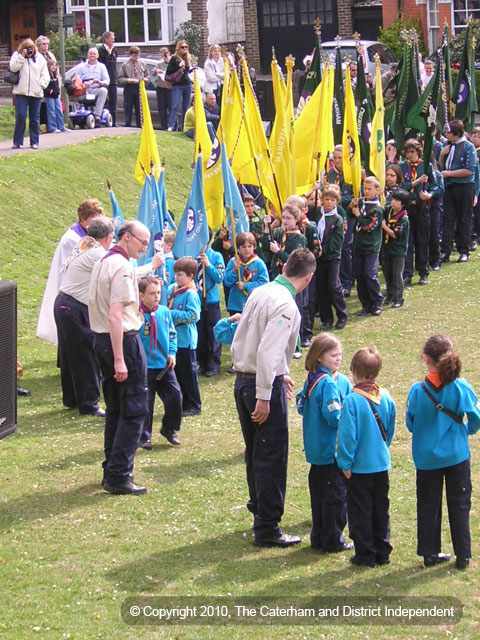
[(213, 276), (224, 331), (185, 311), (465, 157), (321, 411), (360, 446), (257, 275), (166, 337), (437, 440), (169, 273)]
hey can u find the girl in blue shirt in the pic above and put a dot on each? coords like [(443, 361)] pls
[(442, 411), (320, 404)]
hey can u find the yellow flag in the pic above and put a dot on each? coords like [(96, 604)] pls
[(226, 82), (148, 156), (279, 143), (352, 169), (377, 139), (329, 144), (290, 114), (203, 143), (308, 129), (232, 118)]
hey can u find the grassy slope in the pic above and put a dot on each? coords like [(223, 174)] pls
[(70, 554)]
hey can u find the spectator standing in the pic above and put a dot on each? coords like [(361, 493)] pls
[(214, 72), (107, 55), (131, 73), (177, 73), (164, 88)]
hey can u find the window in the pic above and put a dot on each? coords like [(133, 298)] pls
[(433, 25), (312, 9), (462, 10), (132, 21), (278, 14)]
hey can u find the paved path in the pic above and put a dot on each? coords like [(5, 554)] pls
[(54, 140)]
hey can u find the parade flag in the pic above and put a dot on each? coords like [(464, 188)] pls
[(279, 142), (314, 74), (117, 214), (234, 206), (167, 220), (148, 158), (149, 213), (407, 94), (463, 95), (444, 102), (364, 111), (192, 232), (290, 63), (377, 141), (203, 142), (338, 98), (308, 128), (352, 168)]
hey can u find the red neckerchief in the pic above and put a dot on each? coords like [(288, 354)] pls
[(413, 167), (114, 250), (369, 389), (153, 326), (433, 377), (247, 274), (178, 291)]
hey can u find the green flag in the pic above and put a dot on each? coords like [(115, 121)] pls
[(463, 95), (314, 77), (338, 99), (365, 112), (390, 93), (407, 95)]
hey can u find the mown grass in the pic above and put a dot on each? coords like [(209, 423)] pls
[(70, 554), (7, 123)]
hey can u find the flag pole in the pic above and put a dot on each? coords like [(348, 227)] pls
[(234, 238)]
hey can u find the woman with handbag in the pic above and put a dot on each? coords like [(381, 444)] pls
[(177, 75), (33, 79)]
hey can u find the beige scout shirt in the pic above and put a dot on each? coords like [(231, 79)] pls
[(266, 336), (113, 280), (76, 280)]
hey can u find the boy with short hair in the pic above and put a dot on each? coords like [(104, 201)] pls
[(246, 273), (366, 429), (396, 228), (159, 340), (184, 305), (368, 241)]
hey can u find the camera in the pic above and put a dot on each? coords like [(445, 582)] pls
[(29, 51)]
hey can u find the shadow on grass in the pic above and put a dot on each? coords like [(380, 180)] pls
[(201, 468)]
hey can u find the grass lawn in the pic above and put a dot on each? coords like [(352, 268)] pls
[(7, 123), (70, 554)]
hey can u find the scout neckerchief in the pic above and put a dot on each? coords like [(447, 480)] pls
[(370, 390), (114, 250), (247, 274), (314, 378), (392, 221), (338, 175), (285, 282), (433, 380), (178, 291), (153, 326), (79, 230), (413, 169), (325, 223), (283, 242), (453, 150)]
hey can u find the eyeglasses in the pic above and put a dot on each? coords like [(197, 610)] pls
[(144, 243), (184, 46)]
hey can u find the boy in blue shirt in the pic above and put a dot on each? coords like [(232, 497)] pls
[(184, 305), (252, 270), (365, 432), (211, 269), (159, 339)]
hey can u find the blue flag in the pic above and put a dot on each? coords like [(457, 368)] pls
[(149, 212), (192, 233), (117, 215), (168, 222), (233, 200)]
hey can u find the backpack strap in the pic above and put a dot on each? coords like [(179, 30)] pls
[(378, 420), (455, 417), (320, 377)]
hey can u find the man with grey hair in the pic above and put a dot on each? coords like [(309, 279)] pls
[(107, 54), (95, 78), (78, 368), (113, 305)]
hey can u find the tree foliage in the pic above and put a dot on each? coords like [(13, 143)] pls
[(391, 36)]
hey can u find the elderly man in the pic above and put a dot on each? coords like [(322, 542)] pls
[(113, 306), (262, 349), (107, 55), (94, 76), (78, 369), (212, 110)]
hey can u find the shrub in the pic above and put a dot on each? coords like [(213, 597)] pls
[(76, 45), (391, 36), (456, 44), (192, 33)]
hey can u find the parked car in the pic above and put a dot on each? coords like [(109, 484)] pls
[(151, 63), (372, 47)]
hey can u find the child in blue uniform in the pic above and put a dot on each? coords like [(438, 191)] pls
[(253, 272), (366, 430), (320, 404), (184, 305), (442, 412), (159, 340)]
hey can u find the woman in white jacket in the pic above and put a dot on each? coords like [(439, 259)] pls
[(34, 78), (214, 72)]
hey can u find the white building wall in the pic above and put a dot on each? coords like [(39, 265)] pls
[(181, 12), (217, 21)]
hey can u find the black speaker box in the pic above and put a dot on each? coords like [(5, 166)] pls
[(8, 358)]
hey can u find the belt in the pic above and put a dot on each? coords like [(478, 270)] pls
[(133, 332), (65, 295), (245, 375)]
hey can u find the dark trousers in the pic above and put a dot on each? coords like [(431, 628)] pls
[(368, 286), (22, 105), (435, 234), (393, 267), (126, 405), (429, 509), (301, 300), (131, 97), (78, 367), (266, 454), (309, 307), (476, 221), (329, 509), (187, 377), (329, 291), (418, 240), (112, 102), (368, 519), (164, 103), (457, 217), (170, 394), (347, 277), (209, 351)]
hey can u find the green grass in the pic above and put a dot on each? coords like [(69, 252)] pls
[(7, 123), (70, 554)]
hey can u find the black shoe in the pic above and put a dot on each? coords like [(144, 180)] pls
[(463, 257), (473, 245), (326, 326), (98, 122), (423, 280), (364, 312), (211, 373), (190, 412), (146, 444), (306, 344), (436, 266), (23, 392), (432, 561), (126, 488), (97, 412), (386, 301), (382, 560), (346, 546), (407, 281), (282, 540), (340, 324), (170, 435), (462, 563), (376, 311), (397, 304), (444, 257), (201, 371), (360, 563)]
